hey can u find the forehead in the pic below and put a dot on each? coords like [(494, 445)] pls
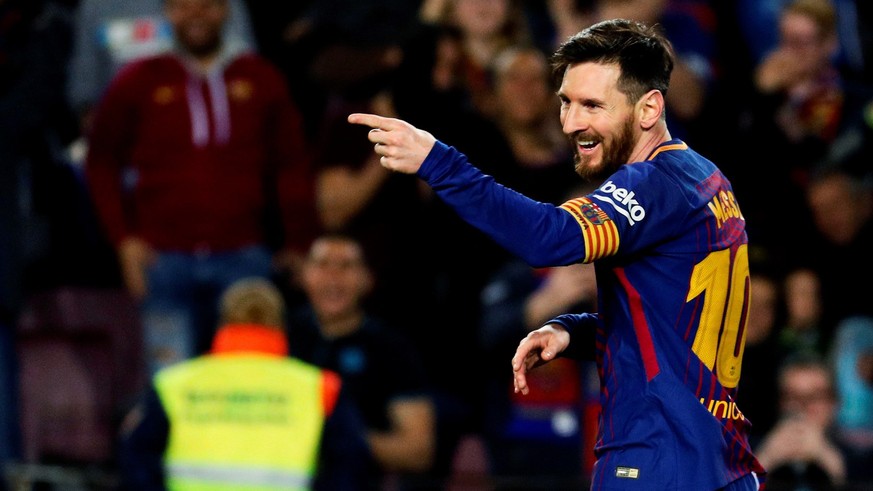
[(797, 24), (335, 250), (591, 80)]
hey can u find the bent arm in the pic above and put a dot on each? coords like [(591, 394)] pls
[(582, 329), (410, 443)]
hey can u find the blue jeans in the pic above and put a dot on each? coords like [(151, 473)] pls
[(180, 310)]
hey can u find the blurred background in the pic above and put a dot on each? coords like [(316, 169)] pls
[(99, 178)]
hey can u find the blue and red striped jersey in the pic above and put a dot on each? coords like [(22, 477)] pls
[(669, 245)]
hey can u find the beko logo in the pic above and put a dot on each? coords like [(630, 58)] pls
[(623, 201)]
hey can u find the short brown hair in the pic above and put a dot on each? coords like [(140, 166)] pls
[(253, 301), (821, 12)]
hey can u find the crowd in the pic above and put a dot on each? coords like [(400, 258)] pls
[(172, 150)]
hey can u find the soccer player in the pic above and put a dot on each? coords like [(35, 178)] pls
[(670, 250)]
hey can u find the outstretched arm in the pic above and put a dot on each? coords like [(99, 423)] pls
[(539, 233), (401, 146)]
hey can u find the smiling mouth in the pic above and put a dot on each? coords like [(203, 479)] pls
[(586, 144)]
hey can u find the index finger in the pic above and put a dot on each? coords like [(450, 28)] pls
[(371, 120), (519, 380)]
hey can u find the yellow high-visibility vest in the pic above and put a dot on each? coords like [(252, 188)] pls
[(242, 422)]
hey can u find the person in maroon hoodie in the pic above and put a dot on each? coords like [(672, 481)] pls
[(193, 155)]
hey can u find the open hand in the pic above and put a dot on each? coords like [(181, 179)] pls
[(537, 348)]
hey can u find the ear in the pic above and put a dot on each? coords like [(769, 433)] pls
[(650, 109)]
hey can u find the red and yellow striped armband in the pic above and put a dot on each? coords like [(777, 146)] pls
[(598, 230)]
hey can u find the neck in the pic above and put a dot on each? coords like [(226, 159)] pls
[(204, 62), (649, 141), (203, 59), (336, 326)]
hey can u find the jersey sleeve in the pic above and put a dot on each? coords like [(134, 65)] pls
[(539, 233), (637, 207), (582, 329)]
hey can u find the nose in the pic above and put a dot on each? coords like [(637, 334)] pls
[(573, 119)]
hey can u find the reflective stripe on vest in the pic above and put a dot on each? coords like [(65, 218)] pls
[(239, 476), (253, 419)]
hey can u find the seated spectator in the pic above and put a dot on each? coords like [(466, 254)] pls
[(245, 415), (378, 365), (757, 393), (398, 221), (802, 329), (542, 167), (756, 21), (801, 70), (841, 207), (801, 449), (792, 114)]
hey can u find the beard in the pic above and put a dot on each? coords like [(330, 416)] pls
[(615, 154), (200, 46)]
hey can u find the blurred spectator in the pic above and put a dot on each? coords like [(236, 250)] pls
[(486, 27), (399, 221), (802, 330), (797, 107), (34, 40), (536, 441), (757, 393), (430, 89), (852, 356), (542, 167), (330, 48), (194, 155), (801, 70), (381, 369), (842, 211), (801, 449), (245, 415), (758, 20), (111, 33)]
